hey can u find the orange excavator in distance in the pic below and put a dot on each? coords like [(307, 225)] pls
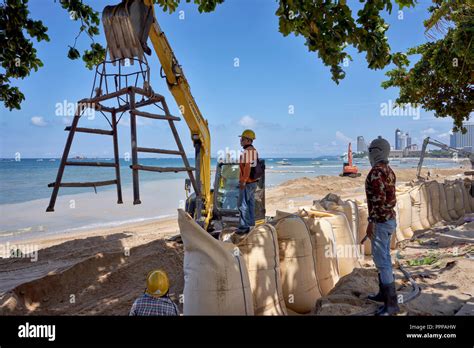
[(348, 169)]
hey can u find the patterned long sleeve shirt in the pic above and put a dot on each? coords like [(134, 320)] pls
[(380, 192), (147, 305)]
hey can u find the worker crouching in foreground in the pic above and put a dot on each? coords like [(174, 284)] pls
[(381, 200), (247, 185), (155, 301)]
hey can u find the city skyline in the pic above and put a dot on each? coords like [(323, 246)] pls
[(463, 141)]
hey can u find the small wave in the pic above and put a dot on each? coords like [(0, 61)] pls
[(8, 233), (292, 171), (117, 223), (301, 166)]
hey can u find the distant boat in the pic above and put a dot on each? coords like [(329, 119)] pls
[(52, 160), (79, 157), (284, 163), (39, 160)]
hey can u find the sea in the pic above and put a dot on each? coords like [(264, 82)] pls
[(24, 191)]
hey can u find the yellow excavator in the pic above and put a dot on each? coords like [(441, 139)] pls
[(127, 27)]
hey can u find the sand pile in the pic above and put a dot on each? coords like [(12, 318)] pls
[(95, 277)]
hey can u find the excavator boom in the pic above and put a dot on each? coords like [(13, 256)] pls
[(127, 27), (434, 142)]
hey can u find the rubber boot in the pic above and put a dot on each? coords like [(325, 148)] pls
[(379, 296), (390, 306)]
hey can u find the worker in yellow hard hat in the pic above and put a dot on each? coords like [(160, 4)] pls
[(155, 301), (251, 170)]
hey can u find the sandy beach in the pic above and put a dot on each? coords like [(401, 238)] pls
[(101, 271)]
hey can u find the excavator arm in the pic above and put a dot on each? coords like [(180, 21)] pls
[(126, 27), (428, 141)]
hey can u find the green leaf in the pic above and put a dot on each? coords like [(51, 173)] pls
[(73, 53)]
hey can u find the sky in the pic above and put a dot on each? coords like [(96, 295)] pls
[(243, 74)]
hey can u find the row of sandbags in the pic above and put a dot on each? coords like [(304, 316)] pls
[(421, 206), (286, 265), (278, 267)]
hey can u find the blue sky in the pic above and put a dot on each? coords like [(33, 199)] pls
[(275, 74)]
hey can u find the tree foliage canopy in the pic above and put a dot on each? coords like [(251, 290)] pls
[(441, 80), (328, 27)]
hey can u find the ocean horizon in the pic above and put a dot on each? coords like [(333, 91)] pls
[(24, 194)]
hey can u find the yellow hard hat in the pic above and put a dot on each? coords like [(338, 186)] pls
[(248, 133), (157, 283)]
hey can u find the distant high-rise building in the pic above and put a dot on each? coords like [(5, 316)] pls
[(408, 139), (403, 142), (361, 144), (398, 138), (452, 140), (459, 140)]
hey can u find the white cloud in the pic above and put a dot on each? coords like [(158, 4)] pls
[(125, 122), (38, 121), (341, 137), (248, 121), (327, 149), (429, 131), (444, 135), (67, 120)]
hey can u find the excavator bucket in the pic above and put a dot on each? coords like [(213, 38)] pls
[(126, 27)]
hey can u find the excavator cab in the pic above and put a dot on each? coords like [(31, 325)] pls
[(226, 196)]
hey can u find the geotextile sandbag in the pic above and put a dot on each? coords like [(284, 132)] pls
[(397, 236), (466, 185), (450, 190), (326, 257), (345, 248), (216, 280), (459, 198), (298, 265), (434, 198), (404, 214), (427, 202), (418, 210), (418, 195), (363, 212), (333, 203), (443, 203), (260, 252)]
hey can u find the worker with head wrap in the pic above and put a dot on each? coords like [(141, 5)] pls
[(381, 201)]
